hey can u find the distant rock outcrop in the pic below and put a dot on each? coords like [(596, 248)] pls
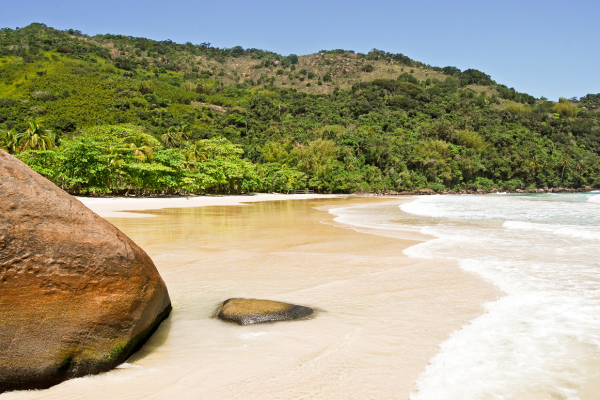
[(253, 311), (77, 296)]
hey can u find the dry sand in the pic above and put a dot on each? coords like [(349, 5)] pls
[(382, 315)]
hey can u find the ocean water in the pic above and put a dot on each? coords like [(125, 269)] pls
[(541, 340)]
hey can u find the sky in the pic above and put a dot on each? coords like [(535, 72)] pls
[(544, 48)]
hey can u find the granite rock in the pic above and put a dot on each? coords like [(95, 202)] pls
[(77, 296)]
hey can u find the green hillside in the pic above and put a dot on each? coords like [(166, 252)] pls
[(117, 114)]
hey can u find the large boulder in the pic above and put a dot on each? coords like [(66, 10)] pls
[(77, 296), (254, 311)]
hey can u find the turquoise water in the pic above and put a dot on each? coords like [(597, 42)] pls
[(542, 339)]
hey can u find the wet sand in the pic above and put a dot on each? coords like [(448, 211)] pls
[(382, 315), (117, 207)]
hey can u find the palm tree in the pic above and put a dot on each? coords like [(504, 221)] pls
[(536, 165), (141, 145), (115, 158), (9, 141), (183, 135), (34, 139), (195, 151), (175, 136), (350, 160), (56, 141), (170, 138), (564, 163)]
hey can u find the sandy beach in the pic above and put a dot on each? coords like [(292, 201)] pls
[(382, 315), (116, 207)]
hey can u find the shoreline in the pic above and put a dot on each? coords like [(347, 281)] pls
[(432, 192), (121, 207), (118, 206), (432, 298)]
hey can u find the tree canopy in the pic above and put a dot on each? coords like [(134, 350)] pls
[(117, 114)]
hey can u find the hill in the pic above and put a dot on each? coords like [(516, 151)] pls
[(160, 117)]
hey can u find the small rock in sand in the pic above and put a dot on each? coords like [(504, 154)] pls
[(253, 311)]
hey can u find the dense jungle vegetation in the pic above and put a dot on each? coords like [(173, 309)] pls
[(118, 114)]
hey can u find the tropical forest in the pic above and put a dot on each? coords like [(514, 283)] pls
[(121, 115)]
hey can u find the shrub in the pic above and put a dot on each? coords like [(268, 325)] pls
[(65, 125), (397, 102), (473, 76), (433, 149), (157, 101), (204, 88), (518, 109), (483, 183), (190, 76), (109, 68), (41, 95), (472, 140), (368, 68), (7, 102), (327, 78), (121, 104), (437, 187), (170, 67), (565, 108), (410, 88), (513, 184), (406, 77), (124, 63), (37, 111), (145, 88), (451, 71)]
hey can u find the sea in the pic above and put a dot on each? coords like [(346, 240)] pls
[(541, 338)]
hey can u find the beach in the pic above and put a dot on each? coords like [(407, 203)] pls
[(381, 316), (539, 340), (114, 207)]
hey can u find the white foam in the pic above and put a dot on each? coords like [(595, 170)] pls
[(543, 339), (572, 231), (594, 198), (128, 366), (245, 336)]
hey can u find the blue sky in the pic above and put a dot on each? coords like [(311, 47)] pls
[(544, 48)]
